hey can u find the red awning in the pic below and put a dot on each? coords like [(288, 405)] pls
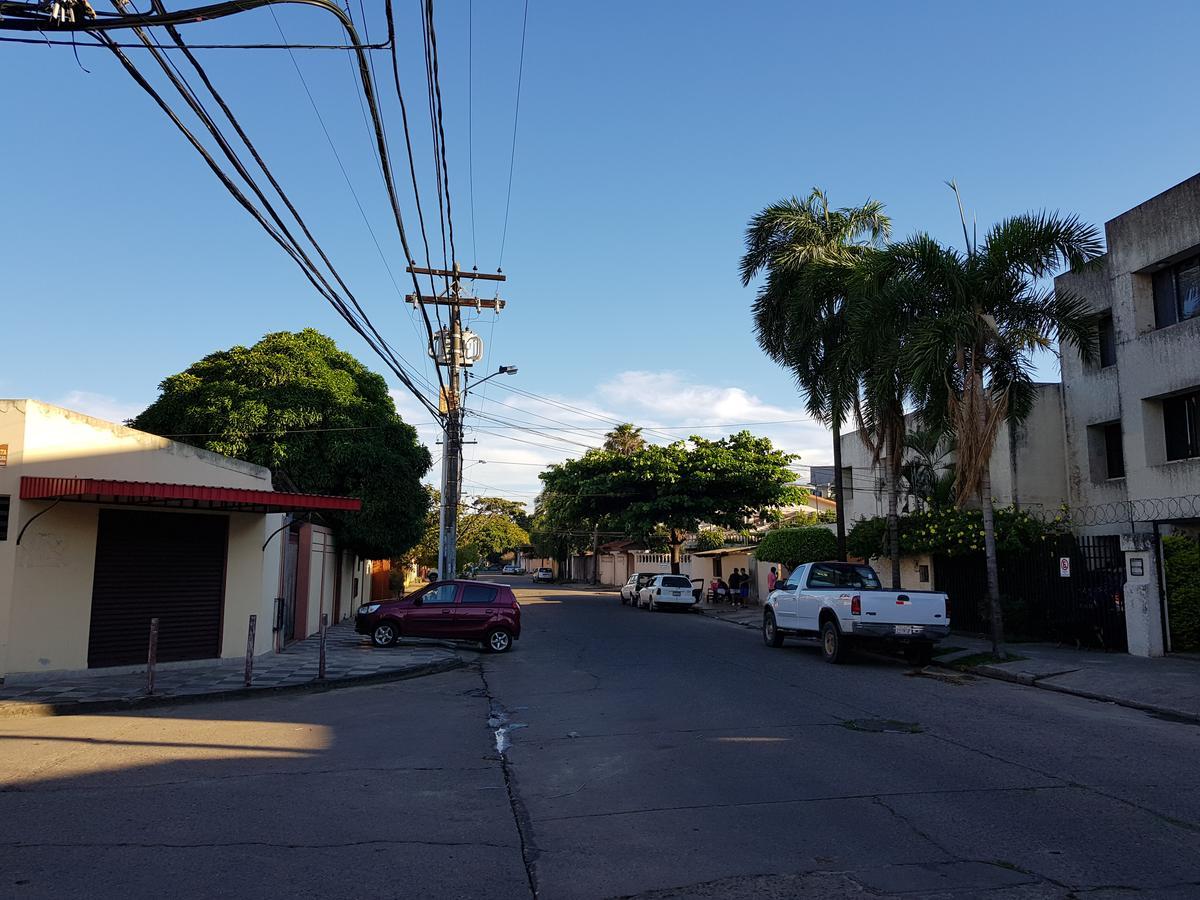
[(183, 496)]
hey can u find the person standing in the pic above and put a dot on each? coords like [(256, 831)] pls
[(735, 586), (744, 587), (772, 579)]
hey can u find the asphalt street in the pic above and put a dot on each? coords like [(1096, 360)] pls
[(614, 753)]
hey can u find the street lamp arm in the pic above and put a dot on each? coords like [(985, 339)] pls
[(503, 370)]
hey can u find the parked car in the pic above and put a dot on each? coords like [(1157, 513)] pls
[(637, 581), (844, 604), (458, 610), (543, 574), (673, 591), (513, 569)]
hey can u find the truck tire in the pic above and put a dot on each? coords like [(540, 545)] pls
[(833, 645), (770, 633)]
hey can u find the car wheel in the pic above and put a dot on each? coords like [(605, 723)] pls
[(385, 634), (497, 641), (771, 635), (833, 645), (919, 655)]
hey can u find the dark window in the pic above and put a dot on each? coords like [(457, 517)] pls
[(1114, 453), (675, 581), (1181, 420), (478, 594), (924, 573), (4, 502), (1177, 292), (846, 575), (1108, 342), (847, 482)]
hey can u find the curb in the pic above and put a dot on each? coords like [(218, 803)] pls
[(12, 709), (1024, 678), (712, 615)]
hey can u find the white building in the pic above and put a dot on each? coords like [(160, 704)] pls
[(103, 528)]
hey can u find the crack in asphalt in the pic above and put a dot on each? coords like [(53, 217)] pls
[(521, 818), (752, 803)]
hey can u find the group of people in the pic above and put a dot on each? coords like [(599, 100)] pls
[(736, 590)]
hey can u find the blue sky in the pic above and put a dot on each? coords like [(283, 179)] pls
[(649, 134)]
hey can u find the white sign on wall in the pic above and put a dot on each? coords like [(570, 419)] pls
[(1064, 566)]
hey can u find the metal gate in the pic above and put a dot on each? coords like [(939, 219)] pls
[(1085, 607), (169, 566)]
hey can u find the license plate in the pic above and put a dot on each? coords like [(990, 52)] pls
[(905, 629), (676, 594)]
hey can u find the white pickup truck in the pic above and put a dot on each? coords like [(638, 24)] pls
[(844, 604)]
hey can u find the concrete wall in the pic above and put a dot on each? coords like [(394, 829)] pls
[(1151, 362), (1028, 465), (46, 583)]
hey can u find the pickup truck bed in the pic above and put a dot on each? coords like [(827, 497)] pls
[(843, 604)]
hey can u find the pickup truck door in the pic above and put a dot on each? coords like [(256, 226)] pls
[(820, 585), (785, 599)]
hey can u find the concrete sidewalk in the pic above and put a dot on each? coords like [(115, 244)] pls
[(1169, 686), (349, 659)]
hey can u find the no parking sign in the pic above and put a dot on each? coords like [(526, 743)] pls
[(1064, 567)]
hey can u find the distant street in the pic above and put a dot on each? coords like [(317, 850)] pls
[(614, 753)]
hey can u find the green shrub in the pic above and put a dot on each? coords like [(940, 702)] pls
[(1181, 563), (796, 546), (954, 532), (710, 539)]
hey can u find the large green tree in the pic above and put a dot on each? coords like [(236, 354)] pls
[(979, 314), (808, 252), (318, 419), (674, 487)]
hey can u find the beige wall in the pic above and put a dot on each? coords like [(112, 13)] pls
[(1151, 362), (46, 583)]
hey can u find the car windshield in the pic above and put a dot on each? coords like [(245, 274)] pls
[(676, 581)]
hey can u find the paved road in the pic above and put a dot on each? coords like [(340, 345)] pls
[(650, 755)]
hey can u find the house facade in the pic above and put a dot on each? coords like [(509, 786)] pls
[(103, 528), (1028, 465), (1132, 424)]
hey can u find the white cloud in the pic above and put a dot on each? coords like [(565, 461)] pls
[(660, 402), (99, 406)]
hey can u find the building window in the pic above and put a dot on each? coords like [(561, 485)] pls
[(1108, 342), (1181, 424), (4, 504), (847, 482), (923, 573), (1114, 453), (1177, 292)]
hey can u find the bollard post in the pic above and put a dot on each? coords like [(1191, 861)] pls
[(321, 664), (152, 656), (250, 650)]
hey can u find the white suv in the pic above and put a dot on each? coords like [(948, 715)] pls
[(674, 591), (543, 574)]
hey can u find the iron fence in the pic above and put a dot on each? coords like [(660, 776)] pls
[(1067, 589)]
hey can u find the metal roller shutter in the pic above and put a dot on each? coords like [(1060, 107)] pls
[(152, 564)]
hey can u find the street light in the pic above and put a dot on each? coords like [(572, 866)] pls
[(503, 370)]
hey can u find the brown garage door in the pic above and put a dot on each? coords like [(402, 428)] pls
[(152, 564)]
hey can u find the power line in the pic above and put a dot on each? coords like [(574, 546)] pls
[(516, 116)]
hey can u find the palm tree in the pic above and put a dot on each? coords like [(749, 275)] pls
[(807, 252), (626, 439), (981, 314)]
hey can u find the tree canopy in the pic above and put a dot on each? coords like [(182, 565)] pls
[(318, 419), (675, 487)]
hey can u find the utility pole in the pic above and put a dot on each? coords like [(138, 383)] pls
[(453, 351)]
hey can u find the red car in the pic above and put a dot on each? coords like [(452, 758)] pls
[(457, 610)]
